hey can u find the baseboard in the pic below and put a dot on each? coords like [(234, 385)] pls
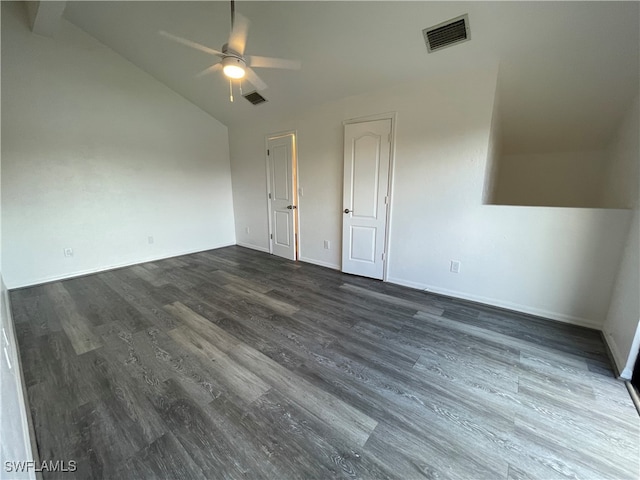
[(561, 317), (613, 352), (253, 247), (90, 271), (320, 263), (620, 361), (406, 283)]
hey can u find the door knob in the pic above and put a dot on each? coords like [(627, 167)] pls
[(292, 207), (346, 210)]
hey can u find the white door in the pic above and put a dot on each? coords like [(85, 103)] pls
[(282, 206), (367, 150)]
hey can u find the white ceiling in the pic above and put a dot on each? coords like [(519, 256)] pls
[(568, 70)]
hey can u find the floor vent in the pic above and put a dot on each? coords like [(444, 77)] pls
[(448, 33), (255, 98)]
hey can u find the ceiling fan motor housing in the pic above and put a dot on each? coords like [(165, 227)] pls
[(233, 66)]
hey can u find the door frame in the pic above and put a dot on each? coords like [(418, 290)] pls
[(393, 116), (295, 186)]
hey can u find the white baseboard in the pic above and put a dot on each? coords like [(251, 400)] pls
[(406, 283), (561, 317), (625, 362), (89, 271), (320, 263), (618, 358), (253, 247)]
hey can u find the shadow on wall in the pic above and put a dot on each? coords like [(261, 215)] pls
[(564, 179), (579, 179)]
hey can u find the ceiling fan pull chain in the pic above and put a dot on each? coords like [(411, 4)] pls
[(230, 90), (241, 87)]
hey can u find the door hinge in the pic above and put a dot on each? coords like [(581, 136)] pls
[(271, 236), (268, 152), (386, 200), (269, 196), (383, 255)]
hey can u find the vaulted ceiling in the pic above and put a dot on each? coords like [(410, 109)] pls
[(568, 70)]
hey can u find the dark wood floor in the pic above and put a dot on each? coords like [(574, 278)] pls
[(237, 364)]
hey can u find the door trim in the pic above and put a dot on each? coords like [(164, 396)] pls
[(296, 212), (393, 116)]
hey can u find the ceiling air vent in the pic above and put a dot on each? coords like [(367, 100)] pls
[(255, 98), (448, 33)]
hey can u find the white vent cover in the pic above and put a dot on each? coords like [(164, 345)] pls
[(445, 34)]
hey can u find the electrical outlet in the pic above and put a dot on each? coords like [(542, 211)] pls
[(327, 245), (247, 230), (68, 252), (455, 266), (300, 192), (150, 240)]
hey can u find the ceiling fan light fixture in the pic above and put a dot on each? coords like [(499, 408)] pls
[(233, 67), (233, 62)]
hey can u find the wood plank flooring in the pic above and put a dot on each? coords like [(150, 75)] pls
[(236, 364)]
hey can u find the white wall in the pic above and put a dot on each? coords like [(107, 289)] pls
[(605, 178), (620, 186), (557, 262), (15, 443), (98, 156), (494, 150), (559, 179), (623, 319)]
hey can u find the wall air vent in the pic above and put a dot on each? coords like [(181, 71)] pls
[(255, 98), (448, 33)]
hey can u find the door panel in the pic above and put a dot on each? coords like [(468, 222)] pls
[(367, 150), (282, 229), (280, 157), (366, 164), (281, 172), (363, 244)]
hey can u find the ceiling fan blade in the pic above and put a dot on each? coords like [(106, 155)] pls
[(191, 44), (238, 36), (254, 79), (270, 62), (213, 68)]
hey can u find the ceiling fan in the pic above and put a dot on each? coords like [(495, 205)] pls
[(235, 65)]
